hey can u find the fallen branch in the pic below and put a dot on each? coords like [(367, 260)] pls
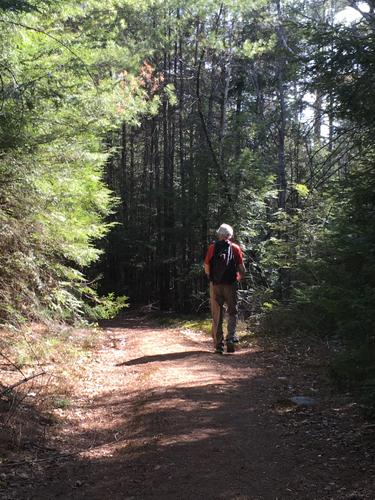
[(23, 381), (12, 363)]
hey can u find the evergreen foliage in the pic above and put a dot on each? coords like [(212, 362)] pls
[(63, 90)]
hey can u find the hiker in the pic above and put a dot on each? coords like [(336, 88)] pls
[(224, 267)]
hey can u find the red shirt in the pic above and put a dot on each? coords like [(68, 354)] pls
[(237, 253)]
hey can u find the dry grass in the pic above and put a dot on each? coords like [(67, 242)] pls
[(59, 354)]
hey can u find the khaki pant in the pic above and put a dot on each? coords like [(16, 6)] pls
[(221, 295)]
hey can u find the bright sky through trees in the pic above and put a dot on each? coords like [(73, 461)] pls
[(350, 15)]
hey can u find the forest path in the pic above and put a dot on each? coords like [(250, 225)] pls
[(158, 415)]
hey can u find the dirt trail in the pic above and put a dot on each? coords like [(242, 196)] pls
[(160, 416)]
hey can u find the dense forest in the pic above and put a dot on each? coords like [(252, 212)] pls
[(129, 131)]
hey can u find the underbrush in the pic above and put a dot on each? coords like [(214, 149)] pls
[(40, 345), (354, 370), (351, 364), (40, 367)]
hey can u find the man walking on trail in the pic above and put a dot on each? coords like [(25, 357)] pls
[(224, 267)]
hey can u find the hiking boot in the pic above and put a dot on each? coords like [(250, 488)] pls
[(219, 351), (230, 347)]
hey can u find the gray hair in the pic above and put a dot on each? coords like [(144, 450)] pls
[(225, 231)]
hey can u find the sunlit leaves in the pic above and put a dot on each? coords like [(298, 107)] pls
[(252, 49), (62, 94), (302, 190)]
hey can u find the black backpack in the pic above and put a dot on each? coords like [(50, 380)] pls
[(223, 269)]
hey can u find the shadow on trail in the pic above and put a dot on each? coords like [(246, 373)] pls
[(217, 440), (182, 443), (206, 437), (132, 322), (161, 357)]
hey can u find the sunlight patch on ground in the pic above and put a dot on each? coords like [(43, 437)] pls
[(191, 437)]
